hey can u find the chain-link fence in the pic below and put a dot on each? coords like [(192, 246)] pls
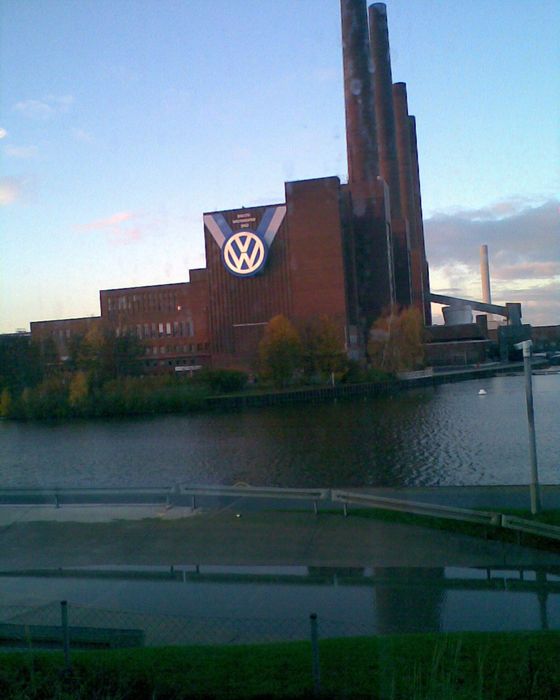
[(40, 626)]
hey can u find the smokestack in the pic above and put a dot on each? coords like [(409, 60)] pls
[(387, 146), (419, 219), (383, 101), (363, 166), (406, 186), (370, 218), (485, 275)]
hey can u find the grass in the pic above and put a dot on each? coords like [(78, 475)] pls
[(550, 517), (489, 666)]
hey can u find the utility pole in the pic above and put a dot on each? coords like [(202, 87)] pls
[(535, 493)]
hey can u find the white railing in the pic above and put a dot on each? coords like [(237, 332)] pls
[(246, 491), (530, 527), (429, 509)]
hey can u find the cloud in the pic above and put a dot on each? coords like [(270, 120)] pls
[(11, 189), (123, 227), (527, 235), (3, 133), (113, 220), (44, 108), (21, 151), (528, 270), (523, 239)]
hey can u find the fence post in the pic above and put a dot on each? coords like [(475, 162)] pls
[(315, 662), (65, 634)]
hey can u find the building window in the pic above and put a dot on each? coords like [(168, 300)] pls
[(160, 329), (175, 328), (168, 328)]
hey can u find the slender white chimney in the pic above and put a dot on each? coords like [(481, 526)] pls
[(485, 275)]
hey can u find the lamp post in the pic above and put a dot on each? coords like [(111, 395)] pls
[(534, 487)]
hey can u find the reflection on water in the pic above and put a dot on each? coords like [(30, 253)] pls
[(447, 435), (410, 600), (199, 604)]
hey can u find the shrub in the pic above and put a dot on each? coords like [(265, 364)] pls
[(223, 381)]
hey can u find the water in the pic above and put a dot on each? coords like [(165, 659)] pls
[(255, 604), (448, 435)]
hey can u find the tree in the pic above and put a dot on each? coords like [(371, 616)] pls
[(5, 403), (323, 349), (78, 390), (396, 341), (104, 356), (92, 355), (126, 352), (280, 351), (20, 362)]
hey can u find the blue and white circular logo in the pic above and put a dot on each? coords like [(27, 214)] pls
[(244, 253)]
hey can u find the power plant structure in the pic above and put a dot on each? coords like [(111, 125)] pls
[(347, 251)]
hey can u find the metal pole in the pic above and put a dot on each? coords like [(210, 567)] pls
[(315, 662), (65, 633), (535, 494)]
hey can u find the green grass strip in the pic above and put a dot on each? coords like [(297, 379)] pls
[(489, 666)]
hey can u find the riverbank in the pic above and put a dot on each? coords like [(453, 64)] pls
[(494, 666), (149, 396), (367, 389)]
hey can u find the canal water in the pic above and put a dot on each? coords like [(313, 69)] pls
[(213, 604), (445, 435)]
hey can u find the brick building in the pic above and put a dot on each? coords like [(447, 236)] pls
[(346, 251)]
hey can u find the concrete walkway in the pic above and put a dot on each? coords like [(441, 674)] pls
[(46, 537)]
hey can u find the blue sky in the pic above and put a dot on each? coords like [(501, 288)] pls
[(122, 121)]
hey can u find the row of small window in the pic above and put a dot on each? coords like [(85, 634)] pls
[(144, 302), (164, 349), (184, 361), (61, 333), (158, 330)]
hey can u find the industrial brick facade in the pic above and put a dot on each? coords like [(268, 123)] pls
[(345, 251)]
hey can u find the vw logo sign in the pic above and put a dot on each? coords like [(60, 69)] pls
[(244, 253)]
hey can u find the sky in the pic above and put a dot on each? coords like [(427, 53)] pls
[(122, 121)]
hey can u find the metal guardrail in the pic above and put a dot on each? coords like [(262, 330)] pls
[(169, 496), (530, 527), (78, 496), (416, 507), (246, 491)]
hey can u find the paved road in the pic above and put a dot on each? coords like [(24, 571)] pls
[(90, 535)]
